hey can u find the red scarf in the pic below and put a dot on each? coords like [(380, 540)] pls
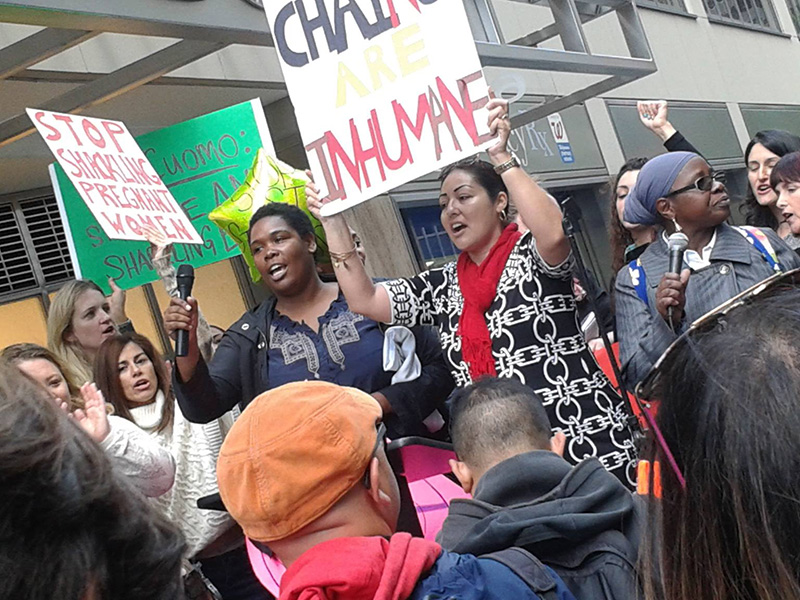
[(478, 285), (360, 568)]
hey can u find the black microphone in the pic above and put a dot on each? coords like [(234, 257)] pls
[(677, 244), (185, 280)]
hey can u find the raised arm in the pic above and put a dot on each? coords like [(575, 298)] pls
[(363, 296), (539, 211), (654, 115), (162, 262), (138, 456)]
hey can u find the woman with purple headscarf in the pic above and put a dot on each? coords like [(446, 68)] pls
[(680, 192)]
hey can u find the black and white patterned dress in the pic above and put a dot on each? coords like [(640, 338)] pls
[(535, 338)]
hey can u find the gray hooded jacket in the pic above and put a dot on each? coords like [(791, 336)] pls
[(580, 521)]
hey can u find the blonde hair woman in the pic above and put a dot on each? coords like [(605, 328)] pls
[(80, 319)]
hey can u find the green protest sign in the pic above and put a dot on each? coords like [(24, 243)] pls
[(202, 161)]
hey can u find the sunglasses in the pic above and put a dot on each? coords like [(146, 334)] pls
[(650, 386), (380, 440), (704, 184)]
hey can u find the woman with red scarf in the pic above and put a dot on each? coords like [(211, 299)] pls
[(505, 308)]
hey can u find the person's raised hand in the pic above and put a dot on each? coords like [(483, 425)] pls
[(64, 406), (499, 126), (671, 292), (158, 241), (654, 115), (117, 303), (93, 417), (314, 199)]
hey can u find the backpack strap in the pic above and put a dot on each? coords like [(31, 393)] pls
[(639, 280), (539, 578), (761, 242)]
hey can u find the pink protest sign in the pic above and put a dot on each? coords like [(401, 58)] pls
[(113, 177)]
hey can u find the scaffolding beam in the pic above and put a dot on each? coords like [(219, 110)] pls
[(114, 84)]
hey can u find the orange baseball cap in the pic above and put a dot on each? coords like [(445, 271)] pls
[(293, 453)]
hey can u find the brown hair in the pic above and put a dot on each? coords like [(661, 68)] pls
[(787, 170), (73, 526), (106, 375), (619, 237), (728, 413)]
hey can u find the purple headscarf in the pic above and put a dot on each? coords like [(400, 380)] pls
[(655, 181)]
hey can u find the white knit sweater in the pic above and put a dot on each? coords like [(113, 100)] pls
[(195, 449), (139, 457)]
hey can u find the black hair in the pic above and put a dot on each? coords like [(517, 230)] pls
[(482, 171), (619, 237), (787, 170), (778, 142), (294, 217), (493, 419), (71, 526), (729, 413)]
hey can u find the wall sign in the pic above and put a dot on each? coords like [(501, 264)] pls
[(560, 136)]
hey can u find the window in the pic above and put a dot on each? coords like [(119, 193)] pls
[(431, 242), (756, 13), (34, 255), (794, 10), (16, 271), (49, 241), (669, 5)]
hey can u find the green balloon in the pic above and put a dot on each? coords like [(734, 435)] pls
[(269, 180)]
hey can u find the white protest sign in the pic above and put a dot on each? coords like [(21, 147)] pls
[(113, 177), (384, 91)]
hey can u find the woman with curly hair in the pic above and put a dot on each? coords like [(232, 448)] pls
[(761, 202), (627, 240)]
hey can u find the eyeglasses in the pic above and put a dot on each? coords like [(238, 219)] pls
[(649, 387), (704, 184), (380, 440)]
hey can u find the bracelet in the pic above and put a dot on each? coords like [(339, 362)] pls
[(509, 164), (340, 258), (125, 327)]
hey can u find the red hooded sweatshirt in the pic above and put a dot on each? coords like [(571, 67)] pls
[(360, 568)]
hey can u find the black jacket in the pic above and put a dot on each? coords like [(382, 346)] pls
[(565, 516), (678, 143), (239, 372)]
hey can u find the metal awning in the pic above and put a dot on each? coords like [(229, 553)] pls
[(556, 42)]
